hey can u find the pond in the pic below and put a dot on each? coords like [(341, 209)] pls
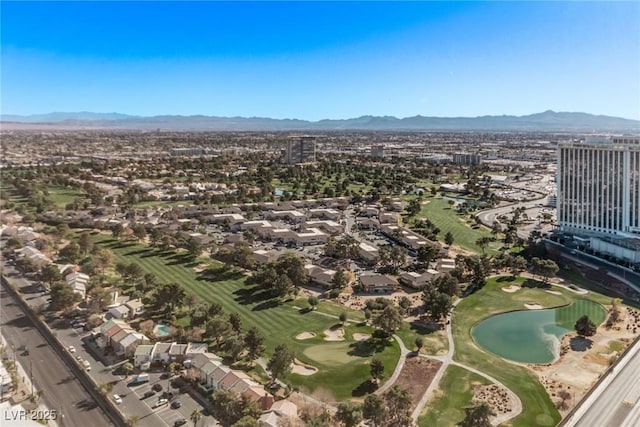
[(469, 202), (533, 336)]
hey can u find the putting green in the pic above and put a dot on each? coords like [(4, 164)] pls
[(331, 353)]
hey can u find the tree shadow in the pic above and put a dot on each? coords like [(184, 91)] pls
[(425, 325), (504, 279), (531, 283), (368, 347), (139, 252), (366, 387), (272, 303), (580, 343), (86, 405), (246, 296)]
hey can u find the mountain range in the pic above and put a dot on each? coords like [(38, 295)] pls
[(545, 121)]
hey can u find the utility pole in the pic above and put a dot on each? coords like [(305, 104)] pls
[(31, 374)]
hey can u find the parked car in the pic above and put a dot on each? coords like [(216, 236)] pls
[(148, 393), (160, 402), (180, 422), (117, 398), (175, 404), (72, 349), (156, 387)]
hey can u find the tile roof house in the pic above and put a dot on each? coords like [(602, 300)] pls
[(378, 283)]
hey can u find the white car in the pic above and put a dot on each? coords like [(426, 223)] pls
[(160, 402), (117, 399), (72, 349)]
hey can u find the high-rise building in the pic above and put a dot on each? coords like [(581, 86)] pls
[(599, 187), (467, 159), (377, 151), (301, 149)]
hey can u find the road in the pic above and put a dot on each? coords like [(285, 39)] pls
[(104, 373), (62, 391), (616, 400)]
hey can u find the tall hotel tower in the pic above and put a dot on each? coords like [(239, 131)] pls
[(301, 149), (599, 190)]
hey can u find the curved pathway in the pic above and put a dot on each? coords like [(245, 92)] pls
[(404, 351), (448, 360)]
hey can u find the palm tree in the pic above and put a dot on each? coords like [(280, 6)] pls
[(132, 420), (195, 417)]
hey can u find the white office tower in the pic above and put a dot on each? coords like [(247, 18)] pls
[(599, 192)]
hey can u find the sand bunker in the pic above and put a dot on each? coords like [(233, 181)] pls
[(533, 306), (554, 292), (305, 335), (334, 334), (361, 337), (511, 289), (302, 368)]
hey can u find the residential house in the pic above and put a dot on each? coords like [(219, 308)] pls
[(368, 253), (135, 307), (79, 282), (378, 283), (418, 280)]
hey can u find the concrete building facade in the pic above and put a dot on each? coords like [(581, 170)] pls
[(301, 149)]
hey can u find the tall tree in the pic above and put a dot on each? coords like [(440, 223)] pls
[(398, 401), (349, 414), (585, 327), (388, 320), (85, 243), (70, 253), (50, 274), (218, 328), (478, 416), (280, 363), (376, 369), (62, 296), (167, 295), (374, 410), (195, 416), (254, 341), (448, 238), (236, 322)]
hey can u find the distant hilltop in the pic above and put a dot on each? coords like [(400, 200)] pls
[(546, 121)]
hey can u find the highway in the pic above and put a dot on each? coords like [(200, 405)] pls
[(616, 400), (61, 390)]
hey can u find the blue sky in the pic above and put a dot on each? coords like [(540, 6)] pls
[(312, 61)]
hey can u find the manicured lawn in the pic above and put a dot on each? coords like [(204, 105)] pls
[(435, 341), (279, 323), (447, 219), (62, 196), (538, 409), (447, 408), (12, 195)]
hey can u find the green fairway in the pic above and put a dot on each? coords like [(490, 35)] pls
[(279, 323), (538, 409), (447, 408), (62, 196), (447, 219)]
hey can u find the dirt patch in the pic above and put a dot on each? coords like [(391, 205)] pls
[(554, 292), (416, 375), (511, 289), (334, 334), (496, 396), (533, 306), (569, 378), (361, 337), (305, 335), (301, 368)]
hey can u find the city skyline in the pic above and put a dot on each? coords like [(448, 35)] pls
[(314, 61)]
